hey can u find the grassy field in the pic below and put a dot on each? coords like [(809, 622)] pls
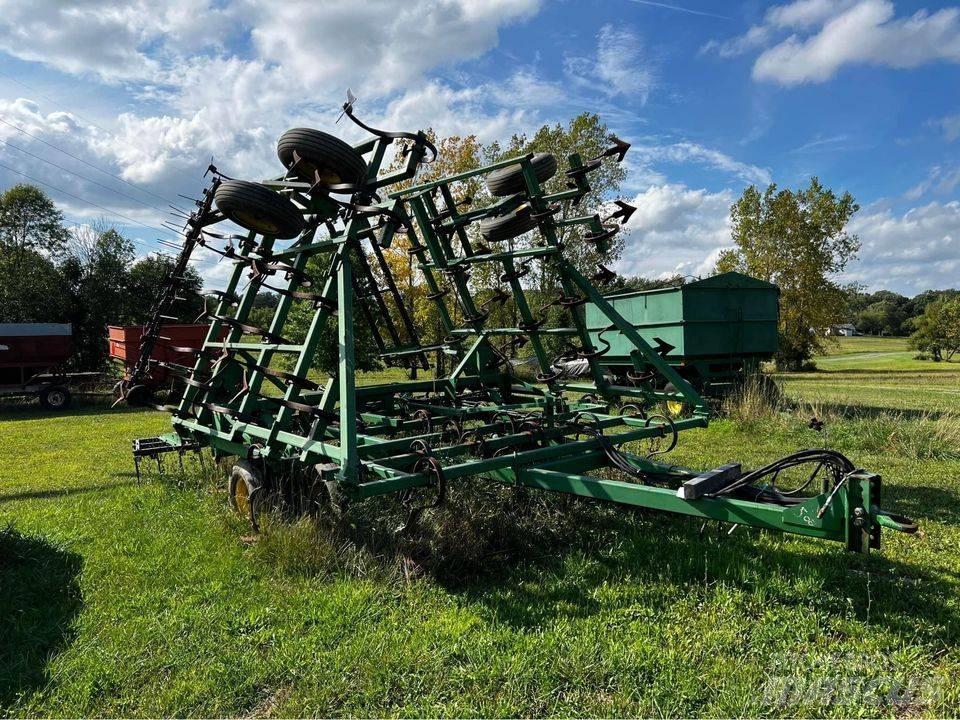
[(119, 598), (879, 374)]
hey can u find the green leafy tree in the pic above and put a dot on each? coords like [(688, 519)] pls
[(919, 302), (96, 270), (883, 317), (798, 240), (879, 313), (937, 331), (32, 236), (32, 289), (30, 221), (148, 278)]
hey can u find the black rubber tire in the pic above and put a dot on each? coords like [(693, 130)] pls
[(245, 482), (56, 397), (258, 208), (336, 161), (139, 396), (509, 180), (508, 226)]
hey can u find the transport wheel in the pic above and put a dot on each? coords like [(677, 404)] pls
[(509, 180), (318, 152), (244, 490), (55, 398), (255, 207), (508, 226)]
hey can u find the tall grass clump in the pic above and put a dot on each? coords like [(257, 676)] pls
[(930, 436), (758, 398)]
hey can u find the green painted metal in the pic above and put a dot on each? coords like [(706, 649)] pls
[(480, 419), (727, 314), (718, 326)]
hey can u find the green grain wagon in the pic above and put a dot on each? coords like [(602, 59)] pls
[(711, 330)]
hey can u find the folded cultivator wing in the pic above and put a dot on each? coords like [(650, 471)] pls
[(337, 204)]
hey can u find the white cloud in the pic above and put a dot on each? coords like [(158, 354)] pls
[(911, 252), (676, 230), (805, 13), (939, 180), (116, 40), (689, 152), (377, 46), (950, 125), (618, 68), (827, 35)]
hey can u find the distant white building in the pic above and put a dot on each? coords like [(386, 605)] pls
[(845, 330)]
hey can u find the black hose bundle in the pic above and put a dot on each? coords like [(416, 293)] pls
[(745, 487), (837, 464)]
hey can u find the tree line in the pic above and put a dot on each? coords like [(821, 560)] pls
[(931, 319), (88, 276)]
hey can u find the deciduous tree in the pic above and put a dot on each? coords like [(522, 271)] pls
[(798, 240), (938, 329)]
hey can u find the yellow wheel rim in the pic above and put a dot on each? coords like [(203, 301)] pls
[(675, 407), (241, 496)]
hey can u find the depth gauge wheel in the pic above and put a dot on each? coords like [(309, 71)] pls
[(676, 409), (307, 153), (245, 491), (509, 180), (258, 208)]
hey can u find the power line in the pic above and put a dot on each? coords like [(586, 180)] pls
[(83, 177), (79, 159), (63, 107), (54, 102), (87, 202)]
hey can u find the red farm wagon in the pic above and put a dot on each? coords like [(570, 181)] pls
[(32, 356), (173, 346)]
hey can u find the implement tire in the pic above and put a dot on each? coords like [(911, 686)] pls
[(255, 207), (509, 180), (319, 152), (245, 491), (508, 226)]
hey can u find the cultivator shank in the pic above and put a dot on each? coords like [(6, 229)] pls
[(319, 234)]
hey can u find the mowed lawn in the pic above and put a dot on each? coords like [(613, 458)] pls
[(119, 598), (882, 374)]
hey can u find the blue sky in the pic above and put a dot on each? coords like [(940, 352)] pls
[(713, 95)]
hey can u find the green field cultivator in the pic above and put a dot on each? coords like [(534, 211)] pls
[(249, 394)]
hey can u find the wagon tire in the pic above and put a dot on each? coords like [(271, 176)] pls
[(509, 180), (335, 161), (245, 491), (508, 226), (255, 207), (55, 398), (139, 396)]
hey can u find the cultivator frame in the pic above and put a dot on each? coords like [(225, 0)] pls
[(418, 436)]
